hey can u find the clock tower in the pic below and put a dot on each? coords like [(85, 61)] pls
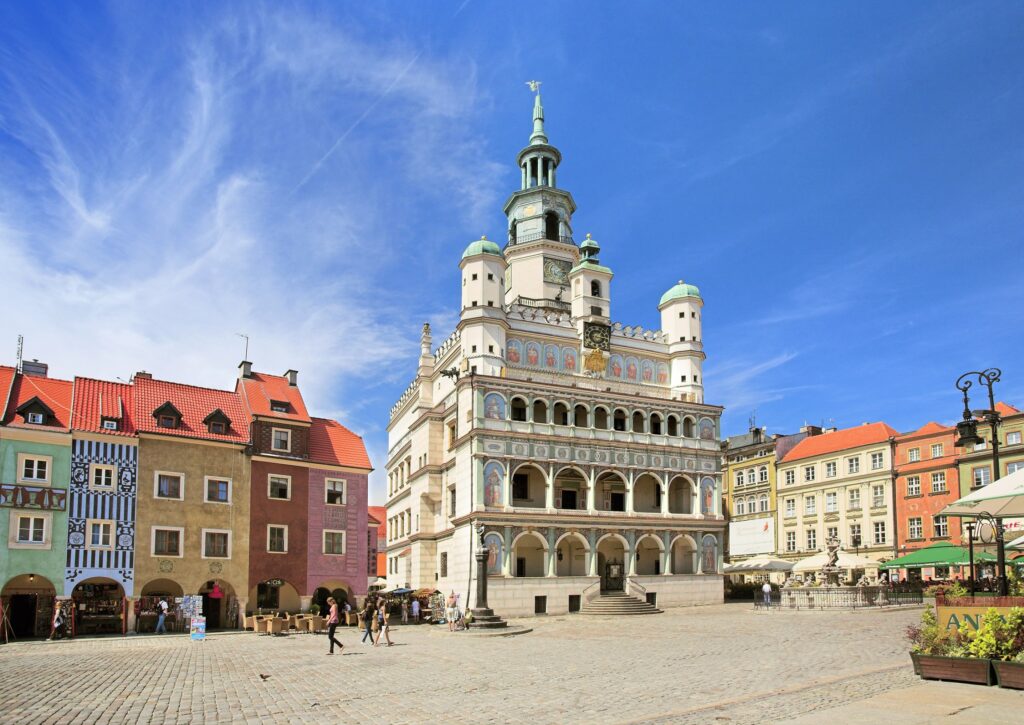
[(540, 250), (591, 298)]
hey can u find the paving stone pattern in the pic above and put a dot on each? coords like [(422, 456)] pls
[(704, 664)]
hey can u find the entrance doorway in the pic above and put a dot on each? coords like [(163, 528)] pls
[(22, 614), (28, 603)]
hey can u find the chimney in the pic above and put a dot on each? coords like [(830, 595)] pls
[(811, 430), (142, 375), (293, 377), (35, 368), (245, 369)]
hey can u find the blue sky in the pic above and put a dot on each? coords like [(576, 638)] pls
[(841, 180)]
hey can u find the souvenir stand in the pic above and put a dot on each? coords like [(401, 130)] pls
[(99, 609)]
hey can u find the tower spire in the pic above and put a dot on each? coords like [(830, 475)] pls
[(538, 136)]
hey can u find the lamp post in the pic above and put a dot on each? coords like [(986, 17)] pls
[(481, 570), (967, 435), (970, 551)]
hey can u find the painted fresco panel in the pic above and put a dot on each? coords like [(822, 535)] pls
[(514, 352), (494, 406), (494, 544), (494, 484)]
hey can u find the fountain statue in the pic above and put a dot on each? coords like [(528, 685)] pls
[(830, 571)]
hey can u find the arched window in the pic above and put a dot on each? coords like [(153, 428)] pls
[(551, 226), (518, 409), (540, 411), (579, 415), (750, 476), (741, 507), (762, 474), (619, 419), (595, 288), (601, 418), (655, 424), (687, 427), (638, 422), (751, 504), (739, 478), (561, 414), (763, 502), (673, 425)]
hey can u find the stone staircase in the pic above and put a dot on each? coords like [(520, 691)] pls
[(487, 619), (616, 604)]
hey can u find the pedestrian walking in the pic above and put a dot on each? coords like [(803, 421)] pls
[(383, 628), (416, 611), (161, 617), (369, 617), (57, 631), (449, 611), (766, 590), (405, 611), (332, 625)]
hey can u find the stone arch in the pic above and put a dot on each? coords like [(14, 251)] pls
[(648, 557), (571, 487), (689, 427), (518, 408), (602, 418), (672, 426), (529, 484), (647, 493), (560, 413), (680, 495), (539, 408), (638, 422), (619, 420), (610, 491), (580, 416), (683, 555), (657, 424), (571, 552), (529, 554)]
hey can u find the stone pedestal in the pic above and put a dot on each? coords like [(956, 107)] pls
[(483, 616)]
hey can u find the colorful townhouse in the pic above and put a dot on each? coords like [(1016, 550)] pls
[(308, 501), (839, 484), (192, 522), (927, 480), (35, 468), (749, 489), (100, 568), (976, 463), (377, 541)]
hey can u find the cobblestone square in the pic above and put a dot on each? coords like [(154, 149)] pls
[(705, 664)]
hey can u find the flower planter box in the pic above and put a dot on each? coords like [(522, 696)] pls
[(955, 669), (917, 665), (1009, 674)]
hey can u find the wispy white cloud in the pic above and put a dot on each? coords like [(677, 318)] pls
[(149, 235)]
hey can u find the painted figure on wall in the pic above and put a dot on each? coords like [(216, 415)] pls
[(551, 356), (707, 496), (632, 368), (662, 373), (494, 479), (707, 429), (514, 351), (532, 353), (493, 544), (615, 366), (494, 406), (569, 360), (647, 371), (709, 562)]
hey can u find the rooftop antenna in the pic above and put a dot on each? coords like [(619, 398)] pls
[(21, 346), (752, 420), (242, 334)]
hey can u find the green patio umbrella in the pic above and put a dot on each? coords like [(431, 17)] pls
[(941, 554)]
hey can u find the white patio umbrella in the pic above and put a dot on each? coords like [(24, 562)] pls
[(846, 561), (761, 562), (1002, 499)]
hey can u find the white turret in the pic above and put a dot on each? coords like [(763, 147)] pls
[(591, 287), (482, 322), (681, 322)]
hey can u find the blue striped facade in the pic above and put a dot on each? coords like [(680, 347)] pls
[(118, 505)]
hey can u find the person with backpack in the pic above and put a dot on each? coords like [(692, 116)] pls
[(368, 619)]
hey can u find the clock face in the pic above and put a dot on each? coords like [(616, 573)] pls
[(597, 337)]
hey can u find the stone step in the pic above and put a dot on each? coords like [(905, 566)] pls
[(616, 604)]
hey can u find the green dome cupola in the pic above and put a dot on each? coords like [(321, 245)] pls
[(679, 291), (483, 245)]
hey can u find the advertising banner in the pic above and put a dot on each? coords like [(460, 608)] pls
[(753, 536)]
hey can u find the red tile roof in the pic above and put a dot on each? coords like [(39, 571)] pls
[(840, 440), (380, 514), (331, 442), (55, 394), (930, 427), (194, 403), (6, 378), (1006, 408), (99, 399), (259, 389)]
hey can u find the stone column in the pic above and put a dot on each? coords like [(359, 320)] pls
[(552, 562), (592, 561), (549, 491), (631, 553), (243, 602), (506, 554), (524, 176), (666, 554), (664, 496), (699, 569), (132, 601), (630, 480), (591, 485)]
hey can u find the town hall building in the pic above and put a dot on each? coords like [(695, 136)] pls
[(582, 447)]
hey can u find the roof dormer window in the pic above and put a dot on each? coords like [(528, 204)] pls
[(35, 412), (279, 406), (36, 418), (109, 424), (167, 416), (217, 423)]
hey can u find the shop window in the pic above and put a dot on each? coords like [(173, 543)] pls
[(267, 596)]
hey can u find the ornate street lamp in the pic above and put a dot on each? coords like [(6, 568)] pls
[(967, 437)]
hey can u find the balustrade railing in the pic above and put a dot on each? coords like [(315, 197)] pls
[(841, 598)]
